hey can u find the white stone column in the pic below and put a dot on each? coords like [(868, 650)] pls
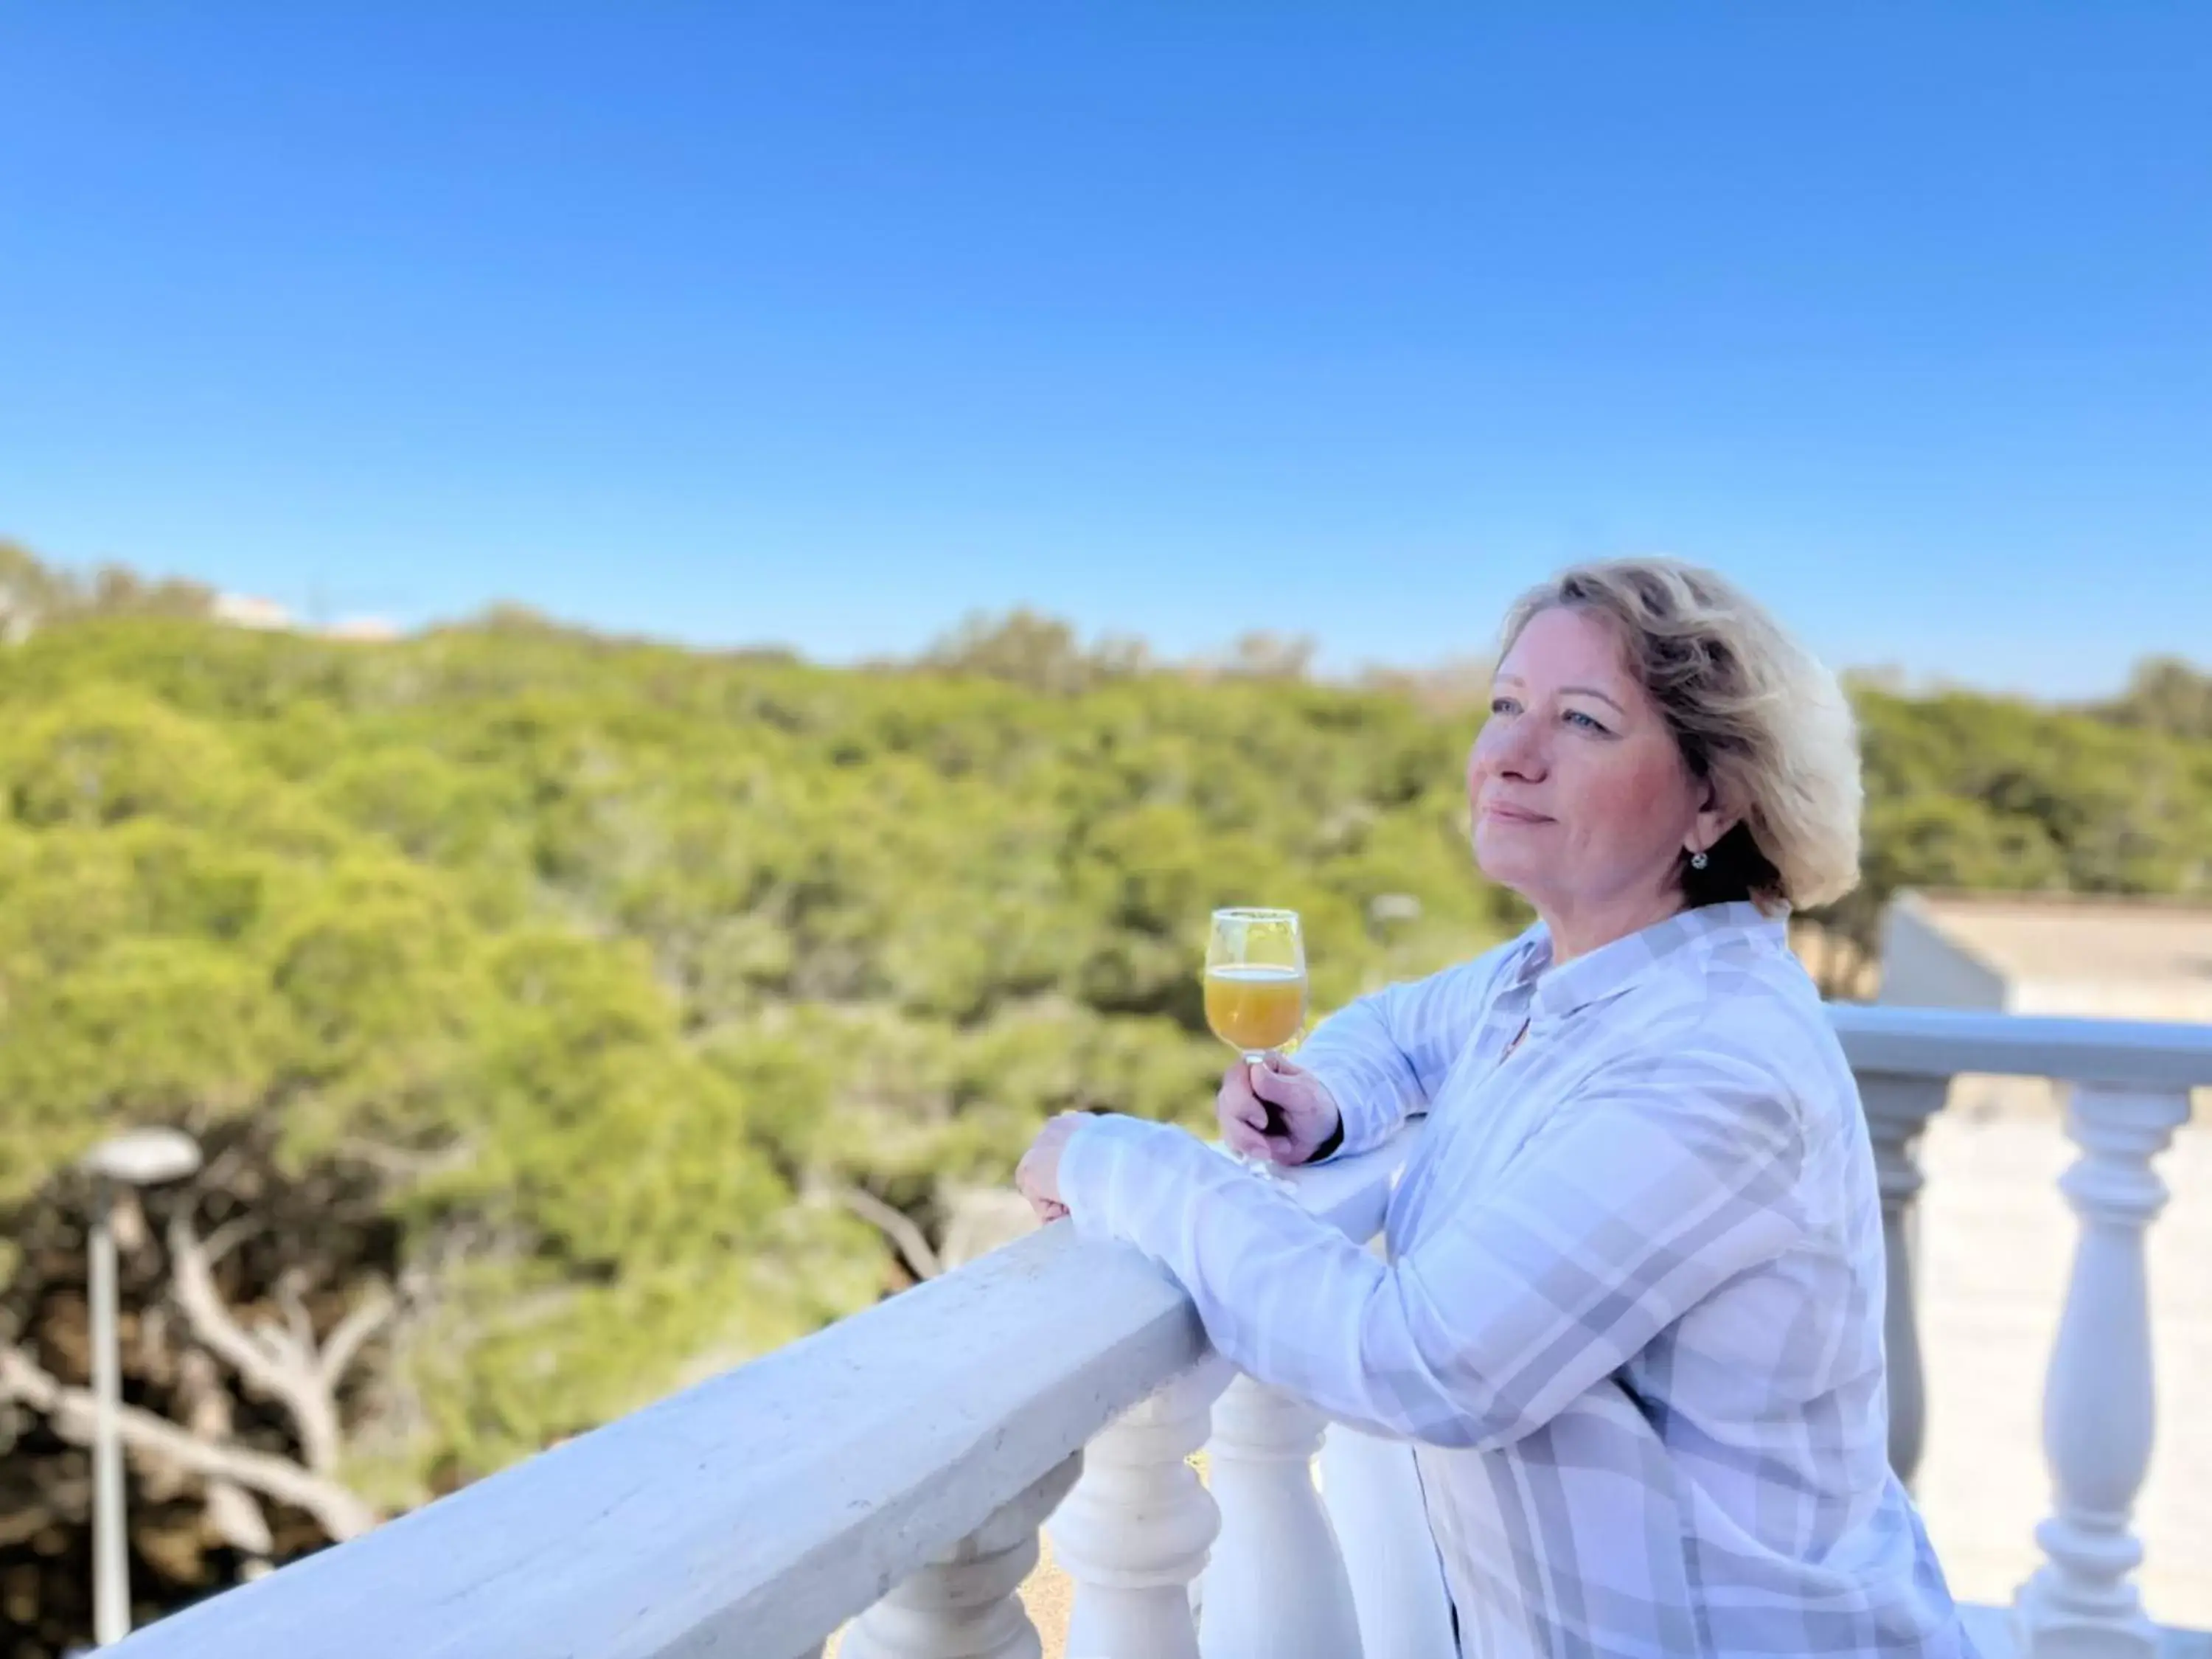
[(1276, 1587), (1897, 1108), (1373, 1495), (1134, 1533), (2098, 1403), (963, 1606)]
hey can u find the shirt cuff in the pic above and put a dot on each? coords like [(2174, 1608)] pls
[(1093, 1167), (1120, 1177)]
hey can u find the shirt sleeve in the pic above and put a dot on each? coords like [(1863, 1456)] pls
[(1645, 1191), (1383, 1057)]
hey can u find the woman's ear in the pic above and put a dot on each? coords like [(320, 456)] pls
[(1716, 818)]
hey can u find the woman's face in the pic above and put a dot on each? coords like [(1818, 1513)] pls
[(1581, 800)]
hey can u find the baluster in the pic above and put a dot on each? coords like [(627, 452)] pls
[(1373, 1495), (1133, 1534), (1276, 1587), (1897, 1108), (2098, 1400), (963, 1606)]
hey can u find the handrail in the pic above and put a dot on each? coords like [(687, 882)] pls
[(756, 1512), (1946, 1041)]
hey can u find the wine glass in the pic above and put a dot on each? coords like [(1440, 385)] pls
[(1256, 985), (1255, 979)]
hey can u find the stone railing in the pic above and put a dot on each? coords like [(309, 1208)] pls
[(893, 1470), (2127, 1088), (897, 1467)]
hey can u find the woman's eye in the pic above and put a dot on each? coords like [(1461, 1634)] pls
[(1501, 705), (1581, 719)]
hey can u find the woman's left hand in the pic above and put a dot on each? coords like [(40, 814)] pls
[(1037, 1175)]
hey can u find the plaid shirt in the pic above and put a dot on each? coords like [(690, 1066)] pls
[(1631, 1311)]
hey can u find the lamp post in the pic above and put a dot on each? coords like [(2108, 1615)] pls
[(142, 1157)]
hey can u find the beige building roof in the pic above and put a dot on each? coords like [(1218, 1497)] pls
[(2057, 953), (2039, 936)]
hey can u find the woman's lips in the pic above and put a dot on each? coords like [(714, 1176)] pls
[(1512, 814)]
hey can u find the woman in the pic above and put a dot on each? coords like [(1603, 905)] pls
[(1631, 1314)]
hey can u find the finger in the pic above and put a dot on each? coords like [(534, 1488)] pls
[(1236, 1100), (1245, 1130), (1244, 1139), (1240, 1112), (1277, 1095)]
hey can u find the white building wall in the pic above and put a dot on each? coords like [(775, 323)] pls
[(1922, 968)]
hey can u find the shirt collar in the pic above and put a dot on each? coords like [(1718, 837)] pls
[(1612, 969)]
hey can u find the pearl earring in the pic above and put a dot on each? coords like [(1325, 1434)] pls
[(1698, 861)]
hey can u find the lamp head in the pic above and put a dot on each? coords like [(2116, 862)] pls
[(145, 1158)]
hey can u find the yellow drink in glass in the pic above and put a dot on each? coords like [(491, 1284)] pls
[(1253, 1007)]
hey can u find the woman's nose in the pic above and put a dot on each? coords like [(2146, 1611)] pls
[(1511, 748)]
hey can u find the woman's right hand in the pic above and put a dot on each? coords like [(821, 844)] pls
[(1305, 1111)]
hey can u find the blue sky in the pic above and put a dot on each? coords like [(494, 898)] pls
[(825, 324)]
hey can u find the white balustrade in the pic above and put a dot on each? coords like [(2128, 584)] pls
[(2098, 1403), (1276, 1588), (2130, 1083), (1135, 1533), (1897, 1108), (962, 1605), (1373, 1495)]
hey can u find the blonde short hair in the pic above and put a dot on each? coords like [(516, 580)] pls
[(1751, 711)]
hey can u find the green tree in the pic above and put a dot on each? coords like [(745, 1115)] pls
[(2166, 694)]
